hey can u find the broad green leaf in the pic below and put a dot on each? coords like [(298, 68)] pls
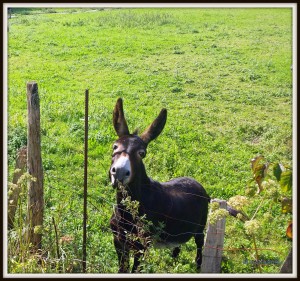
[(255, 162), (259, 171), (286, 180), (277, 170)]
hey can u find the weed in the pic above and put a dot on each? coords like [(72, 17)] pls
[(17, 138)]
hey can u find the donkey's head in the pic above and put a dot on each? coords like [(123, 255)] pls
[(129, 150)]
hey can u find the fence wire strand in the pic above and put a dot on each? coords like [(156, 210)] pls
[(56, 182), (113, 205)]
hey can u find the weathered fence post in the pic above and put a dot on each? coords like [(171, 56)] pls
[(213, 247), (13, 196), (35, 204)]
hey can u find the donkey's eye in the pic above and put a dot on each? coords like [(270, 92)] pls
[(115, 147), (142, 153)]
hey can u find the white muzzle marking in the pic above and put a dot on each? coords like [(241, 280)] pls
[(121, 171)]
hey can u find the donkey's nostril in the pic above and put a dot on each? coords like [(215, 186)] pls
[(113, 169), (127, 174)]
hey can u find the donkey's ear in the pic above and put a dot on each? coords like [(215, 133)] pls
[(155, 128), (119, 119)]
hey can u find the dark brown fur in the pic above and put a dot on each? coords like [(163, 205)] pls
[(180, 204)]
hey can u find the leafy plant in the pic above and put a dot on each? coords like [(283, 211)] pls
[(269, 192), (17, 138), (18, 244), (147, 233)]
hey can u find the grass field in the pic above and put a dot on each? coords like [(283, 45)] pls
[(224, 76)]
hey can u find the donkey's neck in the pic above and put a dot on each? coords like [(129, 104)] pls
[(141, 179), (134, 188)]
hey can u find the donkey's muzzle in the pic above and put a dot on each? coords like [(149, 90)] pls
[(120, 171)]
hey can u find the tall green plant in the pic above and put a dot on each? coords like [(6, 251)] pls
[(271, 183), (18, 245)]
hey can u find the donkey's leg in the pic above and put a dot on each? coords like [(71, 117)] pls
[(199, 239), (136, 263), (123, 256), (124, 262), (175, 252)]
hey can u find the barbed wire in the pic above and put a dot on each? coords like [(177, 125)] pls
[(53, 180), (113, 205)]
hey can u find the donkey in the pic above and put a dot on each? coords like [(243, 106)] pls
[(179, 206)]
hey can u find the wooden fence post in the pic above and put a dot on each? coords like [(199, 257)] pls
[(213, 247), (35, 204), (13, 196)]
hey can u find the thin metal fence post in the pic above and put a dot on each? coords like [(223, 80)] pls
[(85, 180)]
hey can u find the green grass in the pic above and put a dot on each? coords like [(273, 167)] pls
[(224, 76)]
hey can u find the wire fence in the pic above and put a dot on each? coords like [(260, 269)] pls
[(103, 206), (107, 205)]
